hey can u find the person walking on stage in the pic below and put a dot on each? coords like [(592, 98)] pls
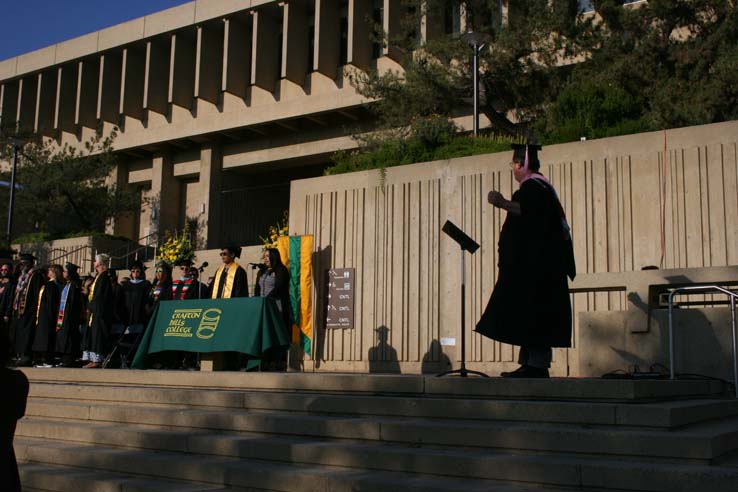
[(134, 294), (230, 279), (100, 313), (25, 306), (530, 304), (69, 316)]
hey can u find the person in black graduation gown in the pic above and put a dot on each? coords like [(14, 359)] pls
[(162, 288), (25, 305), (185, 286), (100, 314), (134, 295), (230, 278), (44, 342), (69, 317), (530, 304), (7, 291)]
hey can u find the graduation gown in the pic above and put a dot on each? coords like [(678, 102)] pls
[(530, 303), (6, 307), (48, 311), (100, 314), (231, 283), (24, 316), (184, 289), (68, 335), (134, 297), (280, 292)]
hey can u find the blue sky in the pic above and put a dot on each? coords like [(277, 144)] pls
[(32, 24)]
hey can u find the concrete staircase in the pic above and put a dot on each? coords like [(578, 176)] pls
[(127, 431)]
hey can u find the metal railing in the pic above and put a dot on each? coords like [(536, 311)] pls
[(704, 288)]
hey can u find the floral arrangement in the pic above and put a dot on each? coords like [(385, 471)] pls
[(279, 229), (177, 247)]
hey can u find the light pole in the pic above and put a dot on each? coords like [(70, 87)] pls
[(11, 201), (477, 41), (17, 144)]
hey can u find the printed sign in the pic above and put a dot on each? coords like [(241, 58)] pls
[(186, 323), (340, 302)]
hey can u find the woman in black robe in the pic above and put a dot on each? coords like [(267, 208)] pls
[(69, 317), (44, 341), (530, 304)]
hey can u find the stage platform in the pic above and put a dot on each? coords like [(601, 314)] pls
[(115, 430)]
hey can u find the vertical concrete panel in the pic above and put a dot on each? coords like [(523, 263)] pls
[(716, 205), (9, 102), (46, 102), (647, 222), (27, 94), (88, 82), (236, 57), (704, 190), (211, 184), (693, 208), (295, 41), (327, 47), (265, 55), (109, 87), (208, 81), (417, 337), (182, 69), (132, 83), (359, 33), (156, 79), (730, 165), (392, 24), (66, 98), (165, 187)]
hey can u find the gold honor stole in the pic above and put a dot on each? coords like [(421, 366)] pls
[(228, 281), (38, 303), (90, 297)]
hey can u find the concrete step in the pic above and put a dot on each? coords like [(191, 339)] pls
[(553, 389), (54, 478), (702, 442), (653, 414), (238, 475), (519, 472)]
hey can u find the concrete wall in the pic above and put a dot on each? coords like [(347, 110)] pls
[(613, 191)]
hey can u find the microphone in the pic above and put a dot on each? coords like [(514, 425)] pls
[(202, 267), (260, 266)]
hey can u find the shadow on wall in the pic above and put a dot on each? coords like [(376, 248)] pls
[(383, 357), (434, 360), (322, 261)]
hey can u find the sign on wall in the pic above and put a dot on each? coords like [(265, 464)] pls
[(340, 302)]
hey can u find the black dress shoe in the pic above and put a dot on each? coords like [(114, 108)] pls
[(530, 372)]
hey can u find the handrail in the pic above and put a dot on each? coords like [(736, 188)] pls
[(733, 296)]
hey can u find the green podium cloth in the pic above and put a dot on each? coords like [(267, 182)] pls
[(249, 325)]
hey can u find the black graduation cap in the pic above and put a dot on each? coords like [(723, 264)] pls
[(138, 264), (27, 257), (519, 152), (183, 262), (72, 269)]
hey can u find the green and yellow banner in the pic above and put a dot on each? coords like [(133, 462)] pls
[(297, 255)]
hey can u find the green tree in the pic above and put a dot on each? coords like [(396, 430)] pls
[(550, 70), (65, 190)]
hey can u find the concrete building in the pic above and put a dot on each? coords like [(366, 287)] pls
[(219, 103)]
